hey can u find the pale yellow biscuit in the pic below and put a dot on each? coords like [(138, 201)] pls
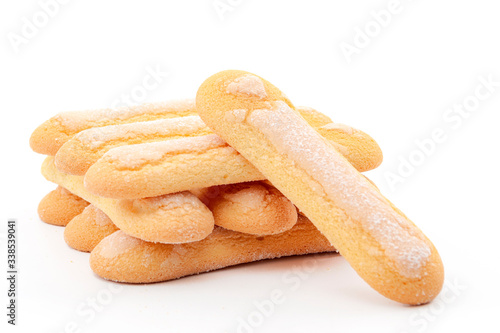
[(386, 249), (254, 208), (122, 258), (156, 168), (52, 134), (360, 149), (87, 229), (174, 218), (59, 206)]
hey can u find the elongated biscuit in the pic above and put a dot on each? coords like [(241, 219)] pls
[(52, 134), (254, 208), (87, 229), (122, 258), (157, 168), (59, 206), (386, 249), (86, 147), (174, 218)]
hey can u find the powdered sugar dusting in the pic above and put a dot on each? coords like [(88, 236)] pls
[(100, 218), (247, 84), (350, 191), (169, 201), (77, 120), (117, 244), (339, 127), (235, 116), (98, 136), (134, 156), (63, 191)]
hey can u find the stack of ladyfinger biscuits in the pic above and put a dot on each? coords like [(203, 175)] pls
[(165, 190)]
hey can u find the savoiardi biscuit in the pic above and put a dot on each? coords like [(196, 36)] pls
[(120, 257), (156, 168), (173, 218), (385, 248)]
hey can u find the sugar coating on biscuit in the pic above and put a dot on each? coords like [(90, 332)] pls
[(135, 156), (252, 207), (75, 120), (236, 116), (168, 201), (59, 206), (117, 244), (292, 136), (98, 136), (249, 85)]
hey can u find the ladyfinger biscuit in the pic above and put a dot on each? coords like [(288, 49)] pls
[(157, 168), (60, 206), (253, 208), (86, 147), (87, 229), (52, 134), (173, 218), (123, 258), (386, 249)]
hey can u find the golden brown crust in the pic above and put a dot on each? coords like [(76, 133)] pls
[(87, 229), (122, 258), (59, 206)]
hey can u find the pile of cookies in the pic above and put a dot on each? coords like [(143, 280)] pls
[(165, 190)]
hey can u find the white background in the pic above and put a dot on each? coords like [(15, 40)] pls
[(397, 88)]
